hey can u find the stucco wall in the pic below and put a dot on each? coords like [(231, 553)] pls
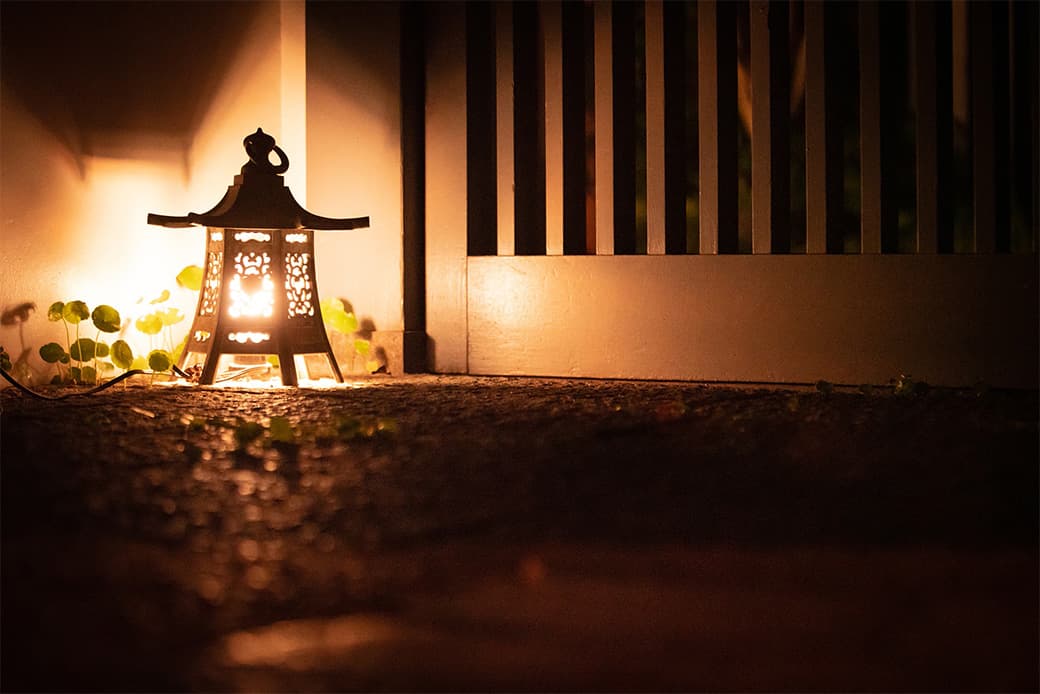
[(76, 183), (354, 153)]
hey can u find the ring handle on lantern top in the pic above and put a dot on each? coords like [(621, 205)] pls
[(259, 146)]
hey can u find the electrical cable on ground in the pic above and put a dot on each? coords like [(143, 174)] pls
[(97, 389)]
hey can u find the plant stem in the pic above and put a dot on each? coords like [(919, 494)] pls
[(96, 374)]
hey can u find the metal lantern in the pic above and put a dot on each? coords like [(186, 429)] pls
[(259, 295)]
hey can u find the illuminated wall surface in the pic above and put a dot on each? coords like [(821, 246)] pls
[(111, 110)]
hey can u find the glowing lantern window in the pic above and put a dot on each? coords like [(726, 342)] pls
[(259, 295)]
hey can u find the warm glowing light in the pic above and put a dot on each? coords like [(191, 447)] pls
[(201, 335), (252, 290), (251, 236), (298, 289), (296, 238), (216, 236), (243, 338)]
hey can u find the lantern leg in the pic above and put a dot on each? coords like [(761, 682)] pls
[(209, 368), (287, 366), (335, 366)]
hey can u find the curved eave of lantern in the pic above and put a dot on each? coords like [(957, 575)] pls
[(261, 203)]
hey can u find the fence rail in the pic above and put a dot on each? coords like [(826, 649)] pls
[(765, 127)]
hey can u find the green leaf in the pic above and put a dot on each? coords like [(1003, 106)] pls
[(5, 360), (83, 349), (75, 311), (122, 355), (150, 325), (55, 311), (281, 430), (88, 375), (246, 432), (190, 278), (179, 349), (139, 364), (331, 304), (52, 352), (74, 374), (106, 319), (170, 316), (336, 318), (161, 298), (272, 359), (372, 366), (101, 349), (362, 347), (159, 360)]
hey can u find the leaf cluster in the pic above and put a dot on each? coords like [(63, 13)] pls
[(85, 358), (338, 319)]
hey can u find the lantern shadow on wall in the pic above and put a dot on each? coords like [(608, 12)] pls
[(259, 295)]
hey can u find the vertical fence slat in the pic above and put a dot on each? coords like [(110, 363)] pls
[(655, 129), (604, 80), (623, 40), (770, 212), (481, 147), (761, 130), (550, 12), (817, 214), (1001, 133), (504, 127), (528, 130), (716, 52), (923, 22), (871, 190), (983, 123), (573, 53), (674, 41)]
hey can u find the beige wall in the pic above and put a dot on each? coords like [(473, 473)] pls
[(74, 199), (354, 154), (73, 224)]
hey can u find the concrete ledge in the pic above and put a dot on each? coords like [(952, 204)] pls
[(946, 319)]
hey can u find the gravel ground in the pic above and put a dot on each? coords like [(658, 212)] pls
[(457, 533)]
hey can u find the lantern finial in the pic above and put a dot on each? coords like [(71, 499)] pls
[(259, 146)]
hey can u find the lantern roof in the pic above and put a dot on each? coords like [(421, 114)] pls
[(259, 199)]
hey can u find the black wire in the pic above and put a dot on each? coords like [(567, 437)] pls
[(121, 377), (97, 389)]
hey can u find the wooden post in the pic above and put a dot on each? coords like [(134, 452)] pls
[(413, 202), (446, 188)]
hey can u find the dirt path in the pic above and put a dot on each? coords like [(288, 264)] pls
[(466, 533)]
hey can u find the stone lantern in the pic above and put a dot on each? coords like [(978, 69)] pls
[(259, 295)]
